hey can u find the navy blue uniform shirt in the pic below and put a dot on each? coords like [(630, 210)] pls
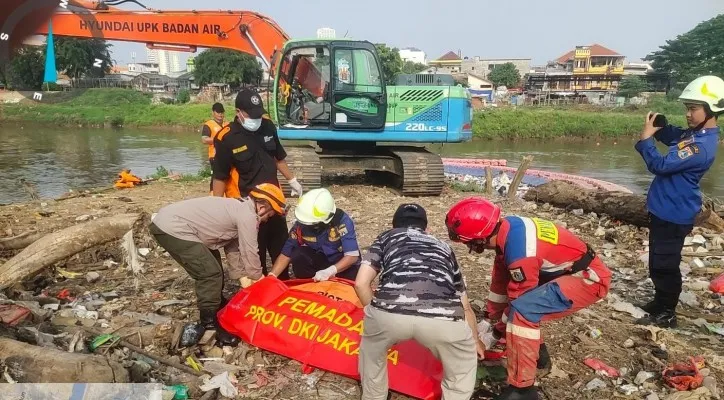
[(674, 195)]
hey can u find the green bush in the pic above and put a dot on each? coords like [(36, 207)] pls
[(183, 96)]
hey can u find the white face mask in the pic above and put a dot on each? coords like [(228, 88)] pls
[(251, 124)]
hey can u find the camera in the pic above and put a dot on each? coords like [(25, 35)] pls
[(660, 121)]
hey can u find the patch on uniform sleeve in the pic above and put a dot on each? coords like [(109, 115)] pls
[(517, 275), (239, 149), (685, 143), (686, 152), (342, 228)]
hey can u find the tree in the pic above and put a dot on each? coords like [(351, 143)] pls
[(390, 60), (78, 57), (632, 86), (505, 75), (410, 67), (693, 54), (26, 68), (226, 66)]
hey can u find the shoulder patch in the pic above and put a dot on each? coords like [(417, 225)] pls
[(686, 152), (342, 228), (517, 275), (685, 143)]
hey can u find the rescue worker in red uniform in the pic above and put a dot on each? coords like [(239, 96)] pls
[(541, 272)]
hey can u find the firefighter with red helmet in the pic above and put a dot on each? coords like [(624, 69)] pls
[(541, 272)]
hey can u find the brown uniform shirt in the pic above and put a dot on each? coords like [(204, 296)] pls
[(217, 222)]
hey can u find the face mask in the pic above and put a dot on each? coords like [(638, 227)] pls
[(251, 124)]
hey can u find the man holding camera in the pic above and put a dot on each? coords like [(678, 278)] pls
[(674, 198)]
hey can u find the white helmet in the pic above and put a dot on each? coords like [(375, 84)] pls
[(315, 206), (707, 90)]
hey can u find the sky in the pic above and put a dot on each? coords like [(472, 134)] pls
[(541, 30)]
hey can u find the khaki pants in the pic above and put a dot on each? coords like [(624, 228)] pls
[(451, 342), (203, 265)]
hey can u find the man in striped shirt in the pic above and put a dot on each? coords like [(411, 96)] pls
[(421, 296)]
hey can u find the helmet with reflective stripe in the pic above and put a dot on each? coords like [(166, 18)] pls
[(271, 193), (315, 206), (473, 218), (708, 90)]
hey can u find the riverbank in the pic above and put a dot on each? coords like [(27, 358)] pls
[(126, 108), (599, 332)]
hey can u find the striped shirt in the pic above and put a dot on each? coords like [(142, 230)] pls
[(419, 275)]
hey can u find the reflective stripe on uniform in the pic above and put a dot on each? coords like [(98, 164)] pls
[(497, 298), (523, 332)]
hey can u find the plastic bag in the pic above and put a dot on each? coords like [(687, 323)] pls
[(717, 285)]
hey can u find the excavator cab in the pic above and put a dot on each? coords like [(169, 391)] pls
[(330, 85)]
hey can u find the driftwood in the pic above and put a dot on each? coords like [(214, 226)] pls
[(518, 177), (488, 181), (625, 207), (28, 363), (62, 244), (20, 241)]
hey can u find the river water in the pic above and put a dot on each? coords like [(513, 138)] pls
[(55, 160)]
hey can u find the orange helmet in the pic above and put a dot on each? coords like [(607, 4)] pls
[(271, 193)]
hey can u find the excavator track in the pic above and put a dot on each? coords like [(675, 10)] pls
[(423, 173), (304, 163)]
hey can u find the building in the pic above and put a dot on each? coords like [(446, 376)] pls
[(449, 63), (480, 87), (143, 68), (326, 33), (414, 55), (168, 61), (637, 68), (482, 67), (594, 68)]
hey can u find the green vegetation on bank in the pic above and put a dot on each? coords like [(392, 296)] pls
[(121, 107)]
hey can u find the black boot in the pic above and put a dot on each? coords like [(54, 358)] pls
[(656, 305), (208, 319), (665, 318), (544, 361), (515, 393)]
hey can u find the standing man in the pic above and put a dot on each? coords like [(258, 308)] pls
[(322, 242), (209, 131), (541, 272), (251, 146), (421, 296), (193, 231), (674, 198)]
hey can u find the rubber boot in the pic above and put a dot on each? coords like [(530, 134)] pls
[(655, 305), (665, 316), (515, 393), (207, 318), (543, 365)]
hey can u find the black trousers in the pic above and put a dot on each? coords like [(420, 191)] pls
[(272, 235), (306, 262), (666, 240), (211, 180)]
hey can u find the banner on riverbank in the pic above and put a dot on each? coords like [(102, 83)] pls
[(319, 324)]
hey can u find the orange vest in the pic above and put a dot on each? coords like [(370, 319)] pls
[(214, 128)]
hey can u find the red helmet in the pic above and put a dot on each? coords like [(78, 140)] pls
[(473, 218)]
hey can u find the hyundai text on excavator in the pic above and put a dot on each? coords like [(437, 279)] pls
[(331, 92)]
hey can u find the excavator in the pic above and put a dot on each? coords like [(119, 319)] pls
[(330, 93)]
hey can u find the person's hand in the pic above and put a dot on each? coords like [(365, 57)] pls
[(296, 187), (264, 211), (325, 274), (649, 128), (480, 349)]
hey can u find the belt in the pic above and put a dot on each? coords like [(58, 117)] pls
[(584, 262)]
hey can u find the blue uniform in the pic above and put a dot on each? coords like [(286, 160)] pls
[(335, 242), (674, 195)]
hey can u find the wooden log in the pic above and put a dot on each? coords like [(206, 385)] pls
[(62, 244), (518, 177), (625, 207), (20, 241), (488, 181), (33, 364)]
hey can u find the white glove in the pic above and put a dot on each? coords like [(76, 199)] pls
[(325, 274), (296, 187)]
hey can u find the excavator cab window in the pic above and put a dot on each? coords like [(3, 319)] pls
[(359, 100), (302, 93)]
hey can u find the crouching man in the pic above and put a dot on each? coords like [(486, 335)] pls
[(541, 272), (193, 231), (322, 243), (421, 295)]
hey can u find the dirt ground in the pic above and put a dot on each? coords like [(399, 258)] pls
[(265, 375)]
